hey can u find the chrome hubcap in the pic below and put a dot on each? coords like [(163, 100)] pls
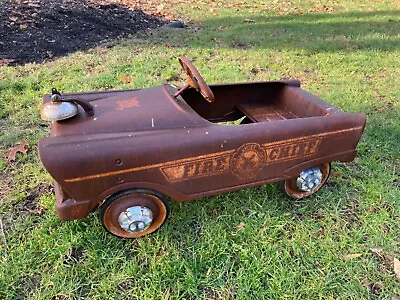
[(309, 179), (135, 219)]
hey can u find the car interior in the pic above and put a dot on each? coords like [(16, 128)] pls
[(259, 102)]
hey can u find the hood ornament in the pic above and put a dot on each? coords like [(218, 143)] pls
[(60, 108)]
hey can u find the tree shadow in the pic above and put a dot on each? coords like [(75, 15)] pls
[(314, 33), (34, 31), (48, 29)]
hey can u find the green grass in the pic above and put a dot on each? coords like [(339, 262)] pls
[(347, 52)]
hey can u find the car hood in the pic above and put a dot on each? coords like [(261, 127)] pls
[(129, 110)]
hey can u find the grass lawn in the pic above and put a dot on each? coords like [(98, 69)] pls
[(250, 244)]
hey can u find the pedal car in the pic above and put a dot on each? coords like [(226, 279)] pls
[(133, 147)]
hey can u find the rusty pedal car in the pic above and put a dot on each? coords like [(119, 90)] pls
[(133, 147)]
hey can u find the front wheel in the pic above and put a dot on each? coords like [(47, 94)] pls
[(307, 182), (134, 213)]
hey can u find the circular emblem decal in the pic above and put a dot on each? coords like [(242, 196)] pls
[(248, 161)]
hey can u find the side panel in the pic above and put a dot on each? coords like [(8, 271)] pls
[(189, 163)]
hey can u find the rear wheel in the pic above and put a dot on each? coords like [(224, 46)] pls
[(134, 213), (307, 182)]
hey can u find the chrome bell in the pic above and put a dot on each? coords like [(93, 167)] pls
[(56, 109), (60, 108)]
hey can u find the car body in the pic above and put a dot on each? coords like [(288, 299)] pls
[(184, 147)]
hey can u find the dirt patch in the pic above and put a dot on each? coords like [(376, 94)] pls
[(39, 30), (27, 285), (29, 205), (13, 209), (75, 255)]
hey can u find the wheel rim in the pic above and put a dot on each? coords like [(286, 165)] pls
[(309, 179), (308, 182), (123, 216), (135, 218)]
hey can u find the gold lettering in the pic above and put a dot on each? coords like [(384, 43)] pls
[(273, 154), (186, 169), (311, 147), (208, 167), (284, 152), (295, 150), (221, 164), (276, 152), (197, 168)]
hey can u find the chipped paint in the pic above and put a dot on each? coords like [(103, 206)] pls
[(130, 103)]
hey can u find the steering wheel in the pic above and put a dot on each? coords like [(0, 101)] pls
[(195, 80)]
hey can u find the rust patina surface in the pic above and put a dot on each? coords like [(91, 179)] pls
[(172, 141)]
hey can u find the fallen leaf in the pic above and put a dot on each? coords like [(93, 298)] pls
[(240, 226), (12, 152), (125, 79), (249, 21), (351, 256), (262, 230), (396, 267), (208, 272), (376, 250)]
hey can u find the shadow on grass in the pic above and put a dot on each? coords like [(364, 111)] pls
[(314, 33), (47, 29)]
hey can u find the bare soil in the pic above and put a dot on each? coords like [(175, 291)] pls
[(39, 30), (30, 204)]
